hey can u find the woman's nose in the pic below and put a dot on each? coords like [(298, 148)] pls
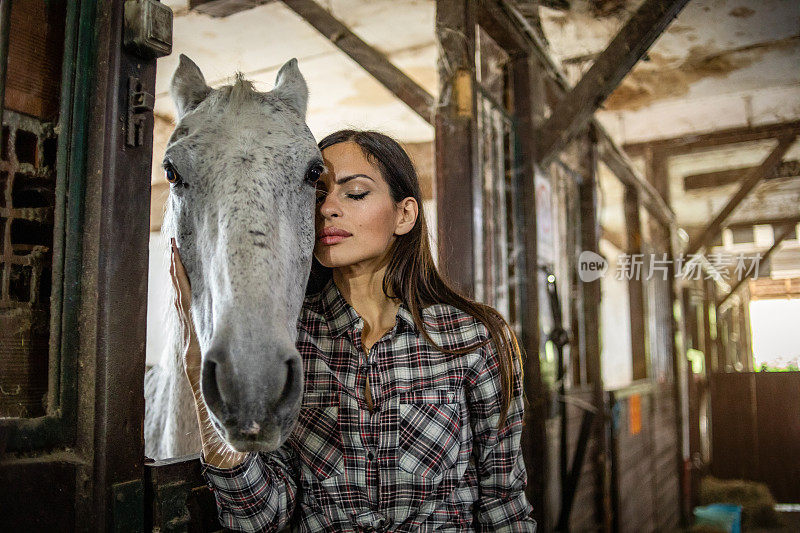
[(329, 207)]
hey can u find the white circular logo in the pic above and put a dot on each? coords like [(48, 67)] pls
[(591, 266)]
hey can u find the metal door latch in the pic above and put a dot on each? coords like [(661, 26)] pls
[(140, 104)]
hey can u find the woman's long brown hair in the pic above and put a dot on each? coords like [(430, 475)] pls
[(411, 274)]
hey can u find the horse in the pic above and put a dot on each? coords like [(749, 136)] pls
[(242, 167)]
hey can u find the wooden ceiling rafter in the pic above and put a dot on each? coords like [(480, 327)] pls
[(782, 221), (719, 178), (609, 152), (689, 143), (749, 182), (367, 56), (577, 107)]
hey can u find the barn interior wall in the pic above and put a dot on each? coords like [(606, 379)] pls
[(619, 309)]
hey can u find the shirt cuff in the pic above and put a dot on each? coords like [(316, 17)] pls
[(223, 477)]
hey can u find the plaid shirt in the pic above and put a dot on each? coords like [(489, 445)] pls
[(428, 457)]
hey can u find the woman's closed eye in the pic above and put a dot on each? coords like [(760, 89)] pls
[(321, 194)]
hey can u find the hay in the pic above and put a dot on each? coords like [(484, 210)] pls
[(758, 505)]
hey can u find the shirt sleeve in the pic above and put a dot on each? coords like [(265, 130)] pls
[(502, 505), (257, 495)]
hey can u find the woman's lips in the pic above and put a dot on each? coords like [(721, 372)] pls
[(331, 239)]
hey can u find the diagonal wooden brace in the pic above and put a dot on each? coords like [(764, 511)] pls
[(748, 184), (370, 59)]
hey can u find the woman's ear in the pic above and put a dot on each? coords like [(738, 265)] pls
[(407, 215)]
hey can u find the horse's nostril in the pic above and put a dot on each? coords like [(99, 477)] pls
[(252, 429), (288, 383)]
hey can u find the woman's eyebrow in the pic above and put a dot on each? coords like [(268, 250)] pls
[(345, 179)]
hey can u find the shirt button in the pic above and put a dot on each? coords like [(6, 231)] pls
[(370, 456)]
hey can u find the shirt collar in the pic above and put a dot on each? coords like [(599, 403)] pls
[(342, 317)]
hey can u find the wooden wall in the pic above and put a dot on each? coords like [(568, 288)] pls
[(645, 479), (755, 427)]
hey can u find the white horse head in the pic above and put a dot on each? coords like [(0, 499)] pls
[(242, 166)]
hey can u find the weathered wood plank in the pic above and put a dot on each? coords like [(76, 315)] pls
[(374, 62), (786, 169), (698, 141), (733, 425), (606, 73), (777, 423)]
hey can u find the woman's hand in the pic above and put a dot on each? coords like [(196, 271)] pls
[(183, 302)]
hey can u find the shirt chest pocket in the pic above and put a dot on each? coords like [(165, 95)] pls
[(430, 425), (317, 436)]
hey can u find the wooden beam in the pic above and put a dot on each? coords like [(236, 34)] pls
[(534, 432), (748, 183), (782, 221), (657, 174), (633, 248), (224, 8), (622, 168), (689, 143), (787, 169), (373, 61), (589, 324), (455, 134), (785, 232), (611, 154), (605, 74), (502, 28)]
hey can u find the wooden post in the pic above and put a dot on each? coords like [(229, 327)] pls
[(744, 335), (590, 329), (534, 438), (455, 137), (633, 246), (709, 348), (657, 173)]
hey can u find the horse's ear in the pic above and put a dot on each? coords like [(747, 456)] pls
[(290, 86), (188, 87)]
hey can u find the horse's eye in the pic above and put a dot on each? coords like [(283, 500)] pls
[(172, 175), (313, 174)]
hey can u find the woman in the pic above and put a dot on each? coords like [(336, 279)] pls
[(412, 407)]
